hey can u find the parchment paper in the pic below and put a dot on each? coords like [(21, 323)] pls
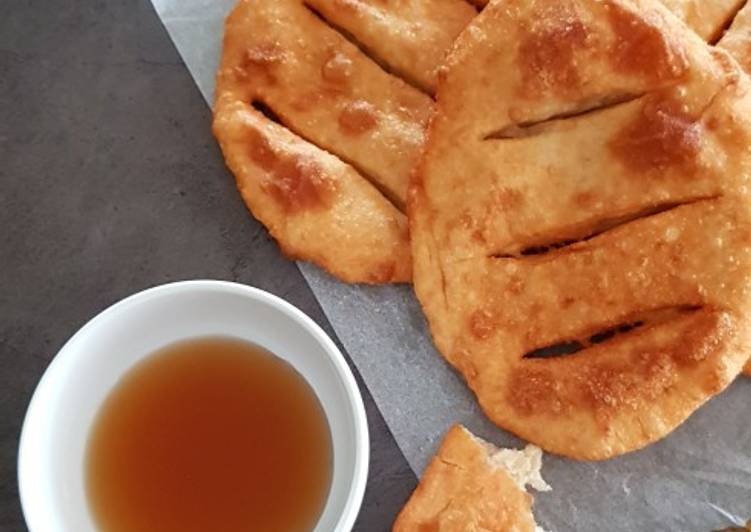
[(697, 479)]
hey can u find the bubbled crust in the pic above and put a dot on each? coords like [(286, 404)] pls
[(326, 170), (461, 491), (610, 136)]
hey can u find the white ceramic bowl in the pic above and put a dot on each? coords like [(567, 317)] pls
[(56, 428)]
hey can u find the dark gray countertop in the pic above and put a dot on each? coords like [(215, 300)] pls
[(110, 182)]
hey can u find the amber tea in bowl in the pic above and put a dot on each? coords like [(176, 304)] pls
[(209, 434), (200, 405)]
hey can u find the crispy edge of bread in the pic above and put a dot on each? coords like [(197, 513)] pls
[(293, 187)]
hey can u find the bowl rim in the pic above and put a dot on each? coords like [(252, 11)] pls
[(361, 445)]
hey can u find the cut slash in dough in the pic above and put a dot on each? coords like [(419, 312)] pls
[(470, 486), (737, 41), (581, 221), (708, 18), (320, 112)]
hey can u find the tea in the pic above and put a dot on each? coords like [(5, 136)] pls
[(213, 434)]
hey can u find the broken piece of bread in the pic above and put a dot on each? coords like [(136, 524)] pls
[(580, 221), (470, 486), (320, 112)]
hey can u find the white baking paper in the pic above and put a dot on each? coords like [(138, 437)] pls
[(697, 479)]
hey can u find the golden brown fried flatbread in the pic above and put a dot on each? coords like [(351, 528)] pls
[(331, 71), (470, 486), (584, 191), (320, 128), (737, 41)]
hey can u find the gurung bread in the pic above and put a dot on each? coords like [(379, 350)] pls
[(320, 112), (470, 486), (320, 109), (581, 223)]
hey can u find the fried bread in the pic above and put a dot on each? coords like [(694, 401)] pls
[(581, 221), (470, 486), (320, 112)]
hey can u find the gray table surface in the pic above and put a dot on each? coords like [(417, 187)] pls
[(110, 182)]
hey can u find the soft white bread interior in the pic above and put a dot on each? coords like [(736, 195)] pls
[(523, 466)]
